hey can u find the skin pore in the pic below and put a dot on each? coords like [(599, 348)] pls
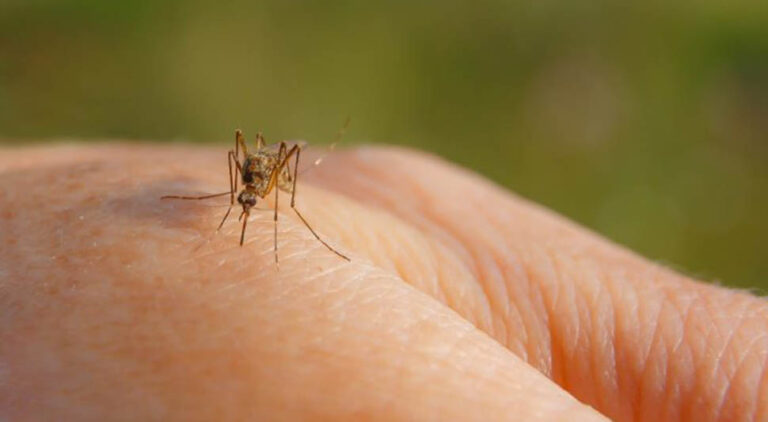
[(461, 301)]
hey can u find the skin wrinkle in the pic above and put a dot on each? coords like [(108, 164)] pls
[(735, 379), (721, 363), (655, 346), (719, 336), (606, 318), (629, 315), (380, 183), (669, 400), (545, 350), (662, 364), (538, 349), (706, 374), (504, 316), (619, 257), (385, 196), (658, 383), (762, 390), (510, 321), (587, 389), (579, 336), (685, 366), (679, 367), (683, 307), (512, 303), (413, 277), (507, 319), (401, 266), (442, 282), (740, 380), (437, 280), (523, 326), (555, 289)]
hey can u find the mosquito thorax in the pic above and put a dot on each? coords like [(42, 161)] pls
[(257, 167)]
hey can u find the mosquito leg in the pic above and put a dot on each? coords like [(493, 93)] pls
[(232, 157), (238, 169), (281, 152), (232, 180), (232, 187), (215, 195), (288, 166), (275, 236), (287, 155), (274, 176), (293, 205), (239, 143)]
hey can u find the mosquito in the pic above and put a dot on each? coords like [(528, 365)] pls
[(261, 172)]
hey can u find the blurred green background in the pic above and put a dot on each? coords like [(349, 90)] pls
[(646, 121)]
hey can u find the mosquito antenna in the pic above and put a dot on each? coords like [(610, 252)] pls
[(342, 131)]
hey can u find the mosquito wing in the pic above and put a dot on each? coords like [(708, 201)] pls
[(275, 147), (311, 155)]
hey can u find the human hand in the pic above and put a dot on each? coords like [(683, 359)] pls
[(461, 302)]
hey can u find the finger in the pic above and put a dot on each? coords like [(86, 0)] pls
[(107, 312), (631, 338)]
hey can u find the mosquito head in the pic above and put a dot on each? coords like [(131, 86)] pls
[(247, 199)]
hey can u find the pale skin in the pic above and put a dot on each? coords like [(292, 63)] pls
[(461, 301)]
